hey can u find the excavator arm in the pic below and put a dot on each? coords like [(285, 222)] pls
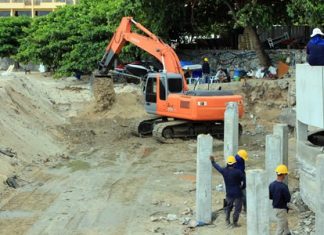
[(148, 42)]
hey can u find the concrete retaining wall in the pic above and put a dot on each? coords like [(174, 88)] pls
[(242, 59), (310, 114)]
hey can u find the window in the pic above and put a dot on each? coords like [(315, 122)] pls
[(175, 85), (4, 13), (162, 90), (151, 90), (23, 13), (42, 13)]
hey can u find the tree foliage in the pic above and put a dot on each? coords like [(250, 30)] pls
[(306, 12), (11, 31), (72, 38), (254, 13)]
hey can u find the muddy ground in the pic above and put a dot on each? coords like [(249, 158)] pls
[(81, 171)]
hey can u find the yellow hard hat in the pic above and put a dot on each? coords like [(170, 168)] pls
[(206, 59), (243, 154), (231, 160), (282, 170)]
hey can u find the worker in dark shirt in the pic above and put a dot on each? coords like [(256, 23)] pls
[(280, 196), (234, 182), (315, 48), (242, 156), (205, 70)]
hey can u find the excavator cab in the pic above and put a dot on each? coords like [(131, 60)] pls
[(157, 88)]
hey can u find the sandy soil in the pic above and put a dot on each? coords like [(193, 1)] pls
[(83, 172)]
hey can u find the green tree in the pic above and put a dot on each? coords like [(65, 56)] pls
[(252, 14), (11, 31), (306, 12), (50, 37), (72, 38), (174, 20)]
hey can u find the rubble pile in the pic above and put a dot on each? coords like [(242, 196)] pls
[(306, 224)]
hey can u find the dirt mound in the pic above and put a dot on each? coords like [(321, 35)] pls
[(273, 93), (104, 94), (30, 112), (124, 102), (127, 105), (26, 117)]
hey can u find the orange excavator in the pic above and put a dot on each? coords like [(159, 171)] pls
[(178, 112)]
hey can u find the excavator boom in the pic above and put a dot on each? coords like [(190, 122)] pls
[(148, 42)]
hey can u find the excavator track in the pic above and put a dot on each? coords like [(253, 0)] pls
[(167, 130), (143, 128)]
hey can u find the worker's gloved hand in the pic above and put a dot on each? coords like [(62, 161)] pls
[(212, 158)]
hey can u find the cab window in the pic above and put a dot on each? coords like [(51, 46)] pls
[(151, 90), (162, 91), (175, 85)]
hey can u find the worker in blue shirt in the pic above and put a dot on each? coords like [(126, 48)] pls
[(280, 196), (242, 156), (234, 183), (315, 48)]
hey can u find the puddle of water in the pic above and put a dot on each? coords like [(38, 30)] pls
[(78, 165)]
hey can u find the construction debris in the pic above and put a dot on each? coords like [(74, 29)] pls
[(171, 217), (8, 152), (12, 182), (306, 224)]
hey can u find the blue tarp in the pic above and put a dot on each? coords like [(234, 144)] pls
[(184, 63)]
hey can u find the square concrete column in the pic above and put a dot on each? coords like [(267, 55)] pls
[(257, 196), (231, 130), (203, 179), (272, 156), (281, 130), (272, 160), (319, 212)]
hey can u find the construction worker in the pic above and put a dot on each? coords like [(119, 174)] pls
[(205, 70), (234, 182), (315, 48), (242, 156), (280, 196)]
